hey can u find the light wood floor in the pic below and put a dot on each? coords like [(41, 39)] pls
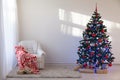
[(113, 74)]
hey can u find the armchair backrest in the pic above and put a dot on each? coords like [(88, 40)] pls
[(30, 45)]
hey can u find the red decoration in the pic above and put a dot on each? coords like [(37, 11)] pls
[(102, 61), (106, 56), (96, 9), (93, 35), (85, 65), (106, 46), (92, 53), (88, 29), (96, 44), (78, 49), (88, 47), (110, 64), (26, 60), (102, 30), (87, 42), (99, 40), (84, 56), (99, 54), (98, 62), (90, 67)]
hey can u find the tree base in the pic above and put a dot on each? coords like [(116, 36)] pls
[(104, 71), (99, 71), (77, 68)]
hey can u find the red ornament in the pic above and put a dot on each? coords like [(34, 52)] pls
[(85, 65), (78, 49), (99, 54), (92, 53), (106, 46), (102, 30), (84, 56), (88, 47), (87, 29), (99, 40), (106, 56), (90, 67), (93, 35), (98, 62), (96, 44), (102, 61), (110, 64), (87, 42)]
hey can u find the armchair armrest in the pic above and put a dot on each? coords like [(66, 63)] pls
[(40, 52), (41, 58)]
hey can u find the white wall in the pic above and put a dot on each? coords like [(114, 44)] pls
[(58, 25)]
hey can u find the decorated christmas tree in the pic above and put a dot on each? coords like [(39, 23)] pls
[(95, 49)]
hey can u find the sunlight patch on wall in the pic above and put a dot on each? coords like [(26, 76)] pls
[(111, 25), (72, 18), (79, 19), (77, 32), (61, 14), (65, 29), (71, 30)]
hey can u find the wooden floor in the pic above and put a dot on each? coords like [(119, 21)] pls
[(113, 74)]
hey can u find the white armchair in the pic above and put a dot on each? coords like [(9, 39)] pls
[(32, 46)]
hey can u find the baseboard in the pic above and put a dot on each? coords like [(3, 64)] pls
[(71, 64), (60, 64)]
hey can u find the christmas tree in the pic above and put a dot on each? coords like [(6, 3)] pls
[(95, 49)]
